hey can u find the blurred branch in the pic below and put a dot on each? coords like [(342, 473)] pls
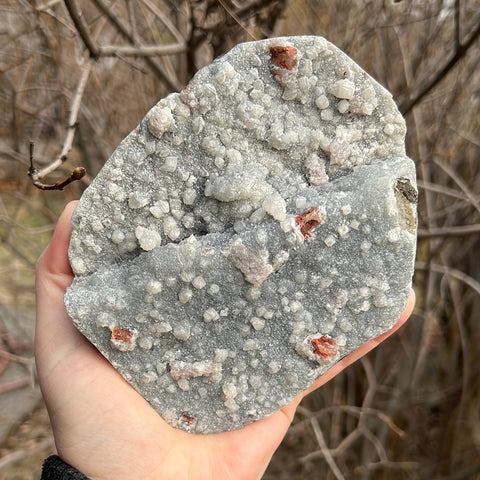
[(350, 410), (17, 358), (97, 51), (242, 13), (453, 231), (430, 82), (237, 19), (82, 27), (21, 454), (457, 24), (30, 230), (452, 272), (145, 51), (47, 5), (166, 21), (325, 450), (463, 186), (172, 84), (433, 187), (77, 174), (71, 128), (15, 384)]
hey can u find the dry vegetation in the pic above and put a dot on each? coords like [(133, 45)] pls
[(76, 84)]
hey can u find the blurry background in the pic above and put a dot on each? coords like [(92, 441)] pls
[(77, 76)]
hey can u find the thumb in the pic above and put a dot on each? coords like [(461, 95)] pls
[(54, 259), (55, 334)]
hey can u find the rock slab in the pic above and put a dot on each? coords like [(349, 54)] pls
[(253, 230)]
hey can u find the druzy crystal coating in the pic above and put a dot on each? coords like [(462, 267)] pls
[(253, 230)]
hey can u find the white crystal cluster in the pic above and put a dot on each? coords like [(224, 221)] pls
[(254, 229)]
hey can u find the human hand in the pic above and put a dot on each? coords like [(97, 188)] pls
[(106, 430)]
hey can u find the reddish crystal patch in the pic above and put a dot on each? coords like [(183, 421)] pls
[(309, 220), (326, 347), (284, 57), (187, 419), (122, 335)]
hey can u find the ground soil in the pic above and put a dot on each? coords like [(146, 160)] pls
[(30, 442)]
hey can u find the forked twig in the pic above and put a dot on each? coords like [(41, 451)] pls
[(76, 174), (79, 172), (325, 450), (432, 80)]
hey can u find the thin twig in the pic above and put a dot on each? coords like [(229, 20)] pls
[(17, 358), (172, 84), (325, 451), (380, 449), (452, 272), (457, 25), (29, 230), (456, 178), (237, 20), (47, 5), (77, 174), (371, 390), (166, 21), (72, 122), (389, 464), (432, 81), (453, 231), (15, 385), (21, 454), (81, 26), (350, 410), (434, 187), (144, 51)]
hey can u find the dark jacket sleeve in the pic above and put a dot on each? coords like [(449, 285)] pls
[(54, 468)]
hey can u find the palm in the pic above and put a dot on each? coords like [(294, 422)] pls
[(104, 428)]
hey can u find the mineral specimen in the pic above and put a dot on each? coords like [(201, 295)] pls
[(253, 230)]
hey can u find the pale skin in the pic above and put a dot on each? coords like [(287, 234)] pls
[(106, 430)]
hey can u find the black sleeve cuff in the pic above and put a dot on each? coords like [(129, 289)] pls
[(54, 468)]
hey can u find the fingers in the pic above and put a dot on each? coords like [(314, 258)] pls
[(53, 276), (54, 332)]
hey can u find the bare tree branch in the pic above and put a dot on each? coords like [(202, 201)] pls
[(452, 272), (78, 173), (456, 33), (460, 182), (324, 449), (427, 85), (15, 384), (172, 84), (433, 187), (237, 19), (144, 51), (47, 5), (82, 27), (451, 231), (166, 21)]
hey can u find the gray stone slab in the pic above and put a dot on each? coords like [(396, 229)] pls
[(253, 230)]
